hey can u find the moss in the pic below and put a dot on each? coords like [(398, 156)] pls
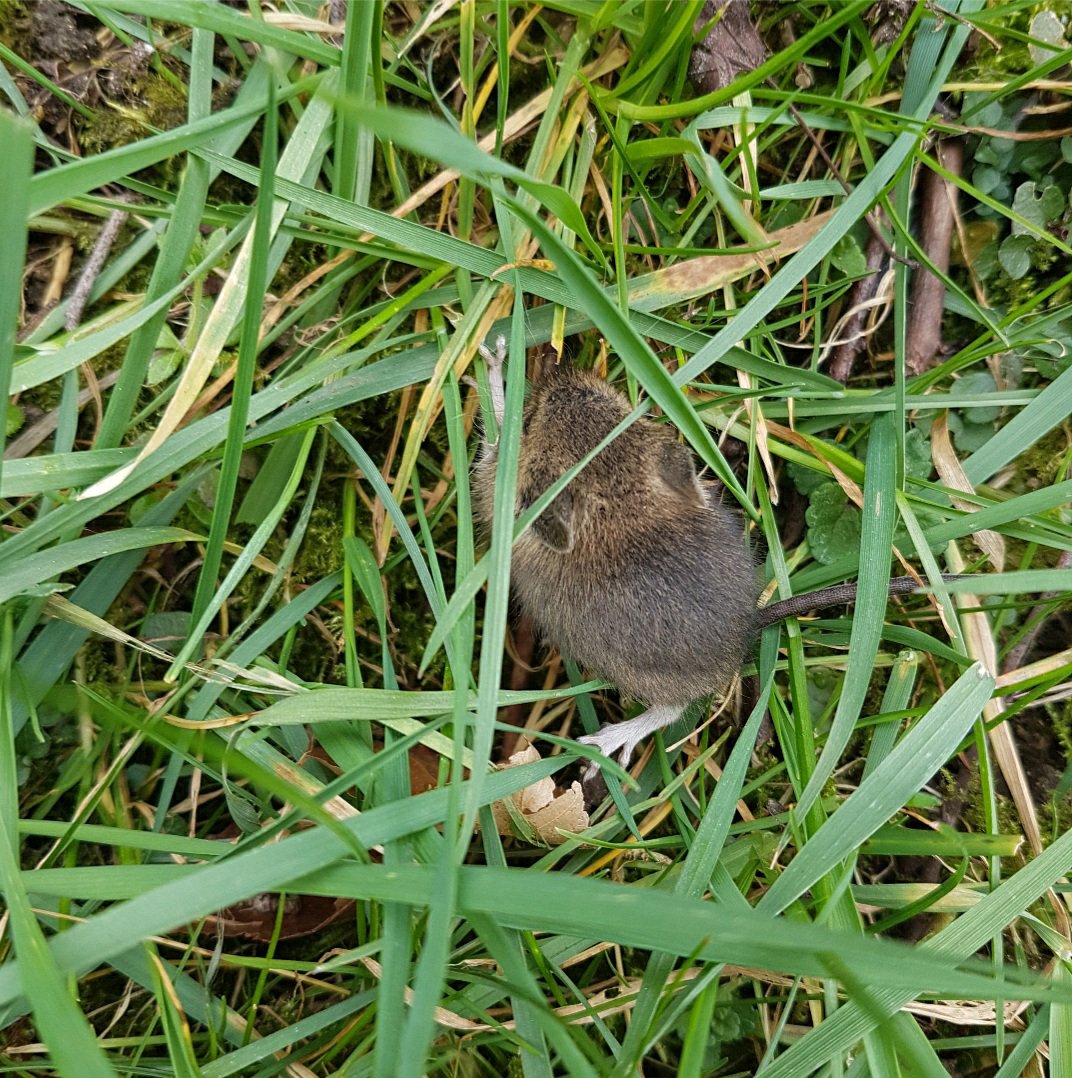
[(1061, 724), (321, 552), (302, 259), (137, 280), (147, 99), (1055, 818), (1055, 813), (1039, 463), (98, 655), (1000, 61), (15, 25)]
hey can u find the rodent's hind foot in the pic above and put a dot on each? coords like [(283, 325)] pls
[(622, 738), (494, 361), (496, 358)]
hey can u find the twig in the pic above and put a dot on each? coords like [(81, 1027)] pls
[(863, 292), (94, 264), (937, 212)]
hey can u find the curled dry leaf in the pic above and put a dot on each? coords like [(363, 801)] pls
[(537, 813)]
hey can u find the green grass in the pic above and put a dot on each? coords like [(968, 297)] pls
[(246, 608)]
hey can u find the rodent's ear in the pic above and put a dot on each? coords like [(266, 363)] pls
[(554, 526), (546, 362), (678, 471)]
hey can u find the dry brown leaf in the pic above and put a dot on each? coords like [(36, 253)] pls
[(1049, 665), (704, 274), (730, 48), (952, 474), (303, 915), (537, 813), (979, 637)]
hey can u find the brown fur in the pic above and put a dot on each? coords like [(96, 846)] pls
[(636, 571)]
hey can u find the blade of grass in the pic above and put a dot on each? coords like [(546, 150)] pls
[(1060, 1035), (242, 388), (642, 917), (53, 649), (695, 876), (176, 1028), (59, 1021), (16, 162), (1018, 1060), (895, 697), (353, 150), (303, 152), (372, 474), (243, 1058), (963, 937), (175, 247), (916, 757), (49, 189), (523, 986), (200, 620), (927, 69), (876, 540), (1049, 408), (29, 574), (203, 437), (227, 21), (411, 237), (421, 133), (216, 886)]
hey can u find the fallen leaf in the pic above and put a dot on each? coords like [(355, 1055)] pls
[(540, 812), (731, 47), (303, 915), (951, 472)]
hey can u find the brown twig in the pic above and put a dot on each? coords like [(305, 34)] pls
[(733, 46), (937, 214), (863, 292), (94, 264)]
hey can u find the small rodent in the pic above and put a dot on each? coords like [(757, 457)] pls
[(636, 570)]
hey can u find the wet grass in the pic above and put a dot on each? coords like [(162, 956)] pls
[(253, 648)]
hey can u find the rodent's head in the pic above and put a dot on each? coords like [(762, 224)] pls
[(568, 413), (644, 472)]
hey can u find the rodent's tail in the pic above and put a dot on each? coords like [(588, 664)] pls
[(838, 595)]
